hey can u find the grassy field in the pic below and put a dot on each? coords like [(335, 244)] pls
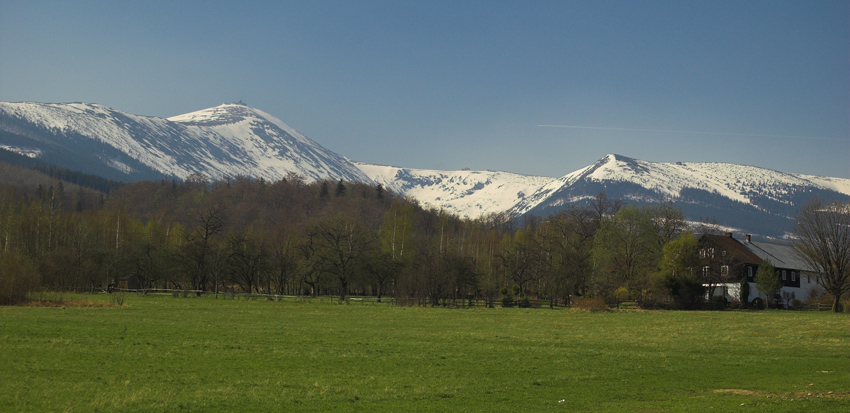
[(203, 354)]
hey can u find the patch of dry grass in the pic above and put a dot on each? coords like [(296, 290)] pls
[(48, 299)]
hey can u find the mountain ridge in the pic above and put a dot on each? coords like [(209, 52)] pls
[(733, 193), (233, 139)]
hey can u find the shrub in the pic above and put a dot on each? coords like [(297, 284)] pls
[(687, 292), (622, 294), (508, 301), (589, 304), (717, 302), (118, 298)]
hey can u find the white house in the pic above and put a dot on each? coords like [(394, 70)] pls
[(729, 259)]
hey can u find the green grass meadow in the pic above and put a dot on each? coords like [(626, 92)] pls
[(206, 354)]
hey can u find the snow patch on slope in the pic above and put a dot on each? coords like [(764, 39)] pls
[(28, 152)]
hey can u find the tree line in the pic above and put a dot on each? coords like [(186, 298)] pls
[(336, 238)]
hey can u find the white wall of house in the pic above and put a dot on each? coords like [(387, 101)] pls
[(808, 284), (732, 291)]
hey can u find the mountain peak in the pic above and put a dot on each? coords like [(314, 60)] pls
[(232, 113), (613, 157), (222, 114), (612, 165)]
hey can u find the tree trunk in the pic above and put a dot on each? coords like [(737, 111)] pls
[(344, 290), (836, 304)]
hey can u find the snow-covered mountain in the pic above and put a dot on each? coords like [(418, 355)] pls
[(748, 198), (683, 181), (469, 194), (225, 141)]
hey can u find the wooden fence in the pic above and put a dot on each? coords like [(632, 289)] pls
[(455, 303), (246, 296)]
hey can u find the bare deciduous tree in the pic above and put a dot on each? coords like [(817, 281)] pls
[(202, 245), (822, 235), (342, 244)]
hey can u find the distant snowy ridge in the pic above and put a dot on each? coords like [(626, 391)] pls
[(666, 181), (225, 141), (469, 194), (699, 188)]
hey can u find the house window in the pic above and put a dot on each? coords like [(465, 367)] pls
[(711, 252), (749, 272), (784, 276), (793, 276), (724, 270), (705, 271)]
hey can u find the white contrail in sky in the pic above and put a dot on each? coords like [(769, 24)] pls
[(692, 132)]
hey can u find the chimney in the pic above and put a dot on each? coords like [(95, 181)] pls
[(728, 235), (749, 237)]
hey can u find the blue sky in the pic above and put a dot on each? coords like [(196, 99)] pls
[(454, 84)]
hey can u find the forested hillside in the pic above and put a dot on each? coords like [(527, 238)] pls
[(25, 171)]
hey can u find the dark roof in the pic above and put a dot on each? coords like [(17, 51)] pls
[(782, 256)]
